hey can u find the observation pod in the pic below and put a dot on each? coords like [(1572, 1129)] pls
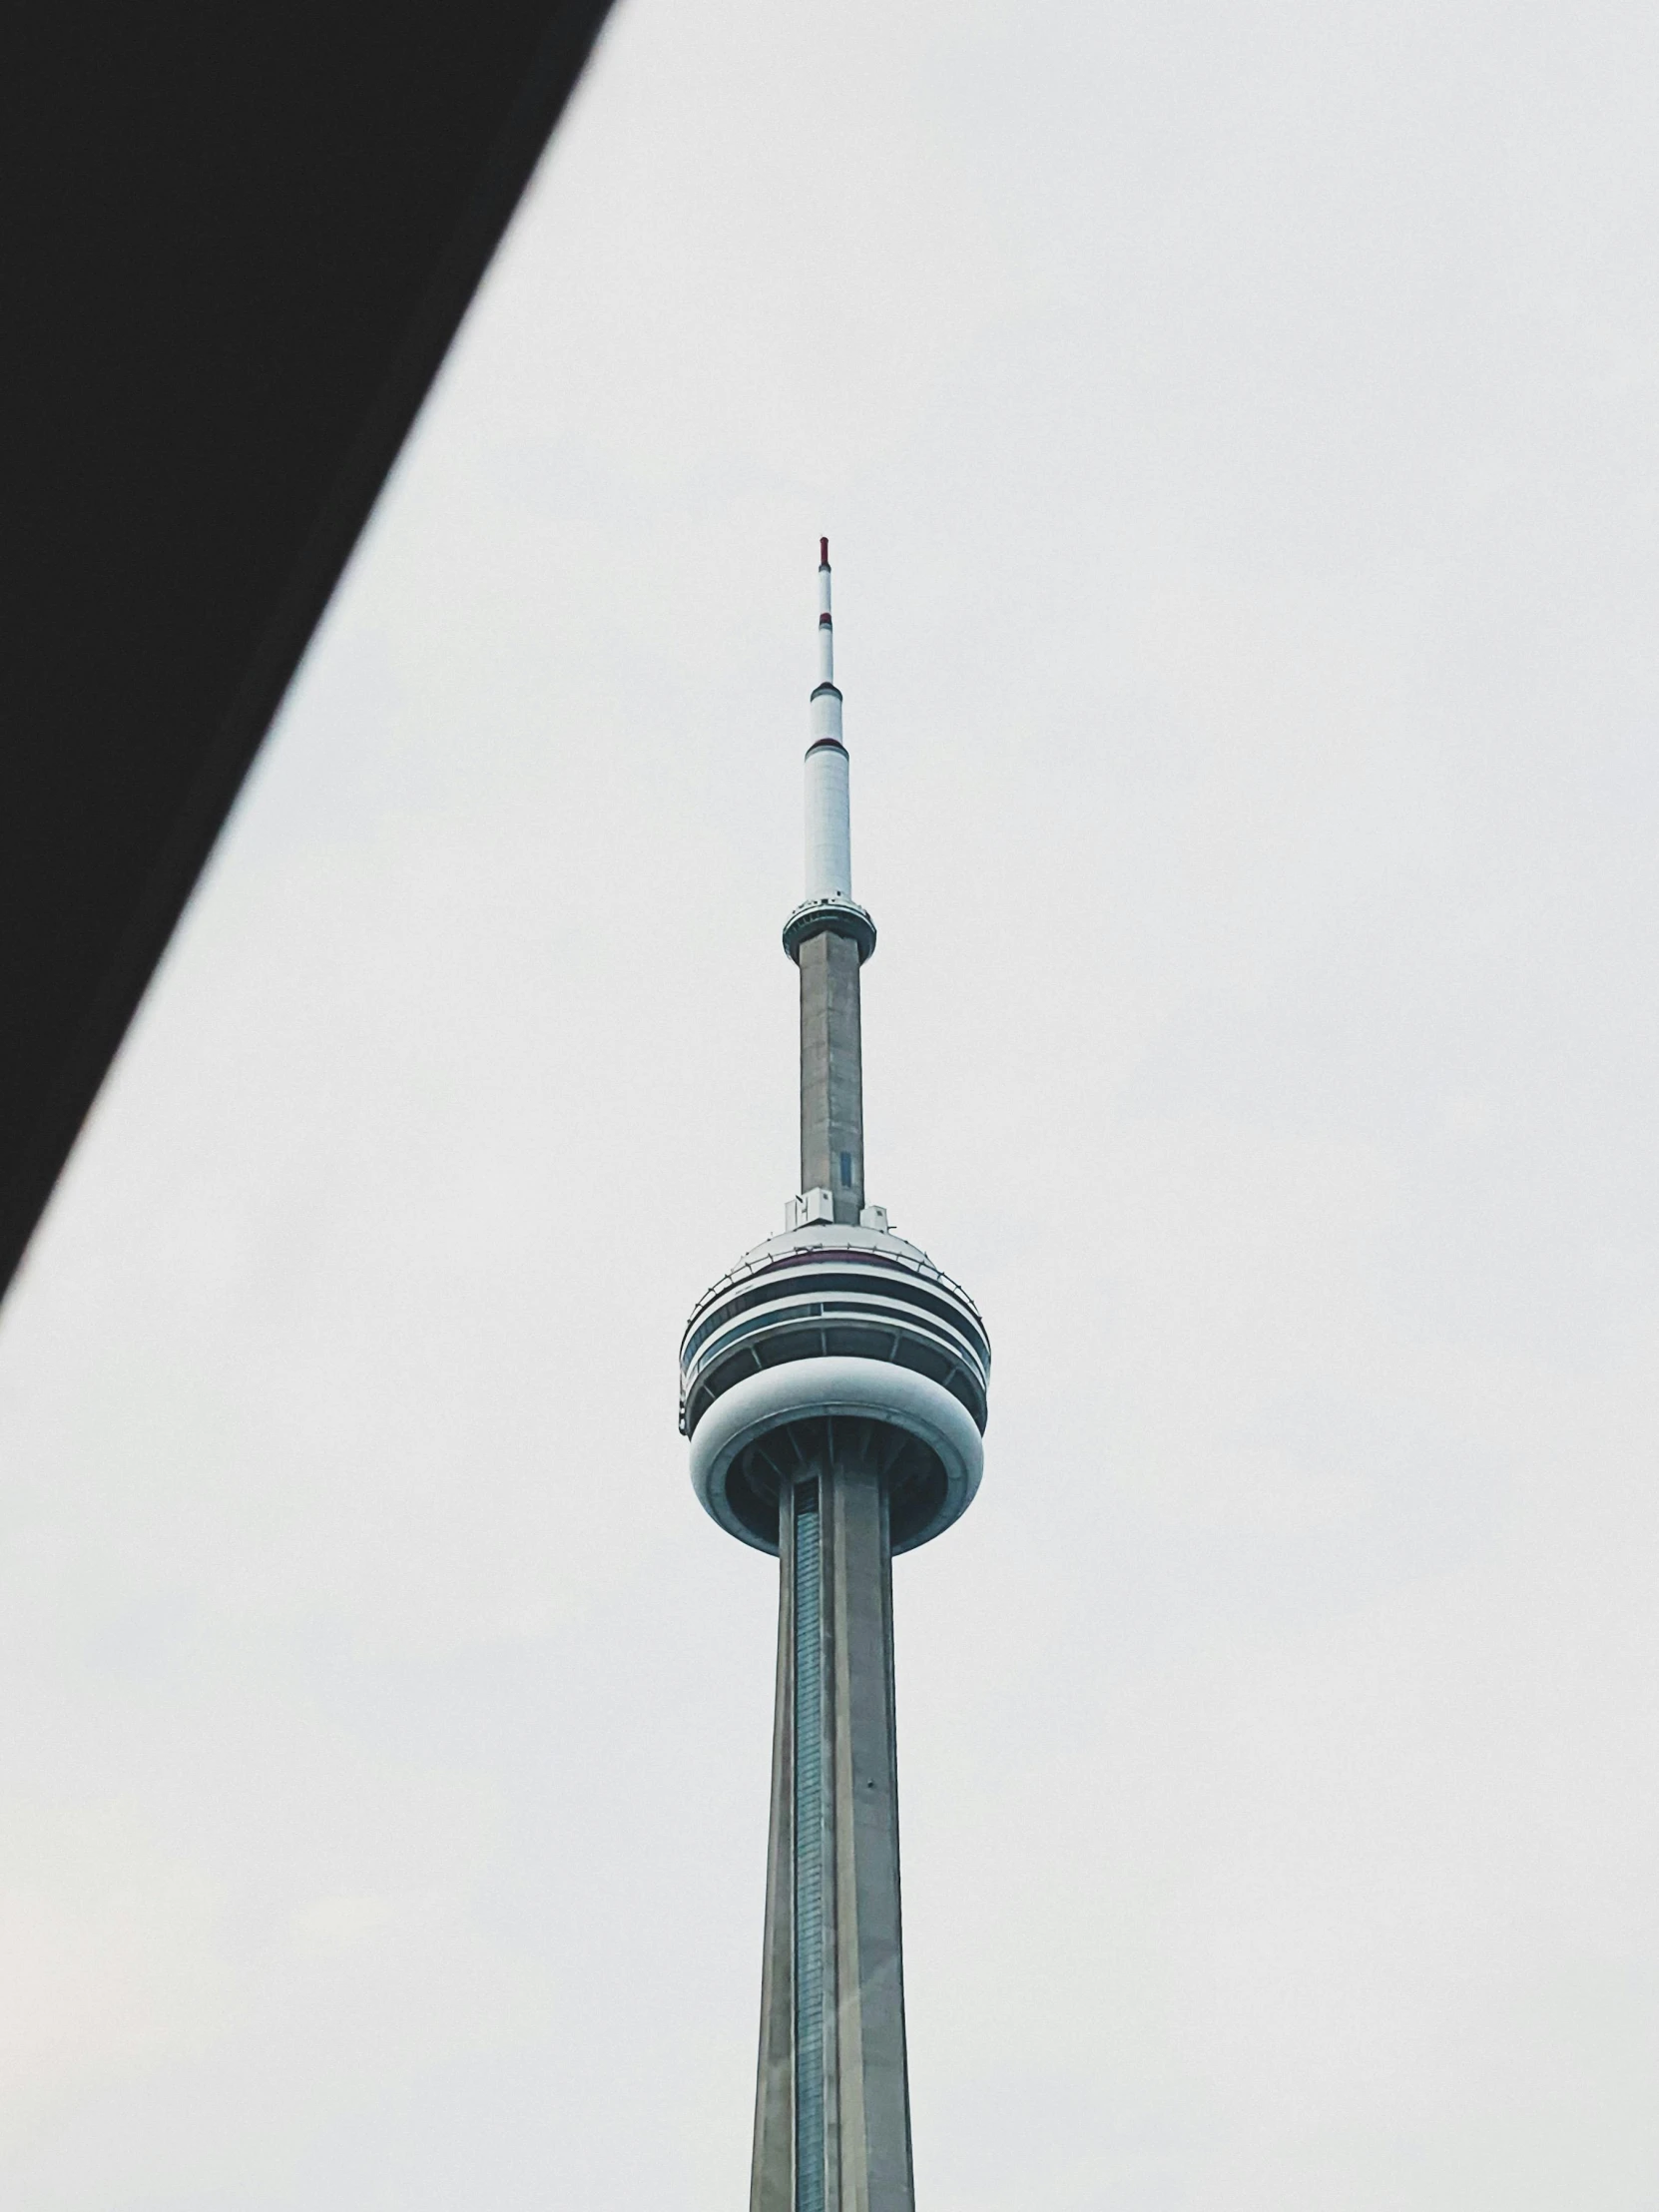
[(849, 1326), (833, 1392)]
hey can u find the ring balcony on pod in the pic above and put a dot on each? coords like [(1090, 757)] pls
[(815, 917), (850, 1326)]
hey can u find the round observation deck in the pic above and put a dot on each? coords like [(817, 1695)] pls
[(841, 1329), (817, 918)]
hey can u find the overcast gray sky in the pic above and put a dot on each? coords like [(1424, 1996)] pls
[(1236, 430)]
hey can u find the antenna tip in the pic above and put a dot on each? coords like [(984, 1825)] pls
[(823, 552)]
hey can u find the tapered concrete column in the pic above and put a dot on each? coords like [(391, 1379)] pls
[(832, 1074), (833, 2132)]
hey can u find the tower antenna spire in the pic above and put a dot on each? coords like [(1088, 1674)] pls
[(825, 619), (829, 937)]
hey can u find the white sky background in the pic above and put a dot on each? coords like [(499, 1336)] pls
[(1236, 430)]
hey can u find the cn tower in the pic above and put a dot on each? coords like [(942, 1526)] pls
[(833, 1387)]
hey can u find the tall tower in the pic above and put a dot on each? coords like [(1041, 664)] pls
[(833, 1387)]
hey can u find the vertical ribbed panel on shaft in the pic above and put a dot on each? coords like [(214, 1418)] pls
[(809, 1857)]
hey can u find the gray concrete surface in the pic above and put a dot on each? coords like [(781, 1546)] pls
[(832, 1074), (866, 2150)]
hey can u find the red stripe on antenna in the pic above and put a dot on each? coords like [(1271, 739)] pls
[(823, 552)]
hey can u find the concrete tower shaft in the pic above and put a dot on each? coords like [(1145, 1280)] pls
[(832, 1074), (832, 2107), (834, 1388)]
